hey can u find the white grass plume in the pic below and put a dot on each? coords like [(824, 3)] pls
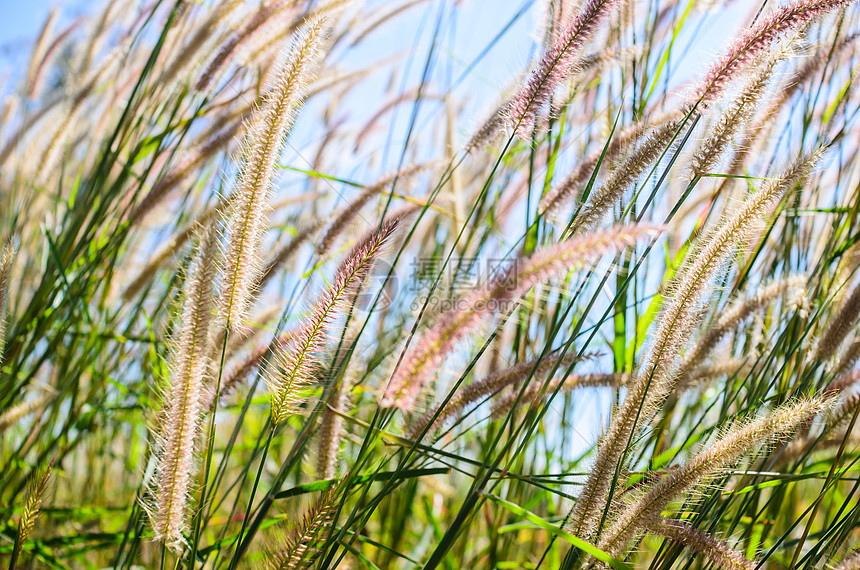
[(178, 436), (247, 220)]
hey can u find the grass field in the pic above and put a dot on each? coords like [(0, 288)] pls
[(432, 284)]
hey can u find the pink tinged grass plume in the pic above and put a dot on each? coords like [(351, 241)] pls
[(247, 221), (848, 358), (536, 390), (485, 387), (240, 369), (491, 128), (351, 210), (556, 65), (674, 326), (187, 56), (423, 358), (185, 403), (40, 49), (287, 250), (293, 370), (230, 47), (774, 426), (626, 174), (740, 111), (186, 167), (331, 429), (750, 46), (574, 183)]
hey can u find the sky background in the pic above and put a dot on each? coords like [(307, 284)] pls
[(19, 25)]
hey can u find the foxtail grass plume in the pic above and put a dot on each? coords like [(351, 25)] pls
[(774, 426), (735, 314), (286, 251), (312, 528), (849, 356), (556, 65), (351, 210), (846, 401), (181, 236), (574, 182), (32, 80), (258, 324), (169, 248), (30, 510), (240, 369), (750, 46), (422, 359), (844, 381), (809, 70), (7, 259), (626, 174), (16, 413), (331, 428), (674, 325), (52, 51), (220, 13), (717, 551), (178, 436), (188, 165), (489, 129), (535, 391), (242, 36), (843, 320), (740, 111), (485, 387), (263, 144), (294, 368), (52, 154), (33, 502)]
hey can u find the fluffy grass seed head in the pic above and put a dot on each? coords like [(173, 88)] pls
[(573, 184), (734, 315), (675, 324), (844, 319), (626, 174), (312, 528), (293, 369), (556, 65), (740, 111), (738, 441), (750, 46), (178, 435), (7, 259), (424, 357), (715, 550), (485, 387), (263, 144), (32, 503)]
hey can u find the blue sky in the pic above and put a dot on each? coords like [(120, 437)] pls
[(20, 22)]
